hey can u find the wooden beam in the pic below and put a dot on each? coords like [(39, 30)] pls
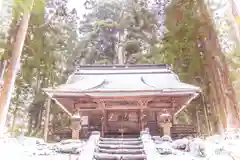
[(155, 104), (171, 110), (89, 110), (81, 101), (60, 105), (82, 108), (130, 98), (122, 107), (128, 109), (159, 105), (187, 103), (163, 92), (169, 106), (85, 105)]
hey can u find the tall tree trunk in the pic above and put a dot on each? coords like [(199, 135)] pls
[(120, 49), (13, 68), (120, 45), (38, 122), (214, 85), (206, 115), (30, 125), (14, 120), (219, 72)]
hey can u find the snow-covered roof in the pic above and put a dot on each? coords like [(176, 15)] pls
[(135, 80)]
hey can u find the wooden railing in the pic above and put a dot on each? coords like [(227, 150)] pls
[(183, 130)]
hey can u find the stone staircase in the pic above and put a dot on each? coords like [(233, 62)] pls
[(119, 149), (140, 148)]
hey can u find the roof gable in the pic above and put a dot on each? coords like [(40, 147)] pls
[(140, 79)]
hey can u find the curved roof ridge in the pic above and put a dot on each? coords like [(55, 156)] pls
[(144, 82), (104, 82)]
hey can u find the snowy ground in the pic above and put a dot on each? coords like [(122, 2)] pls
[(217, 147), (35, 149)]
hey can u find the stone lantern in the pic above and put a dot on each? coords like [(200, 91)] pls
[(165, 123)]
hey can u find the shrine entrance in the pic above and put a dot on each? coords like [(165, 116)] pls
[(123, 123)]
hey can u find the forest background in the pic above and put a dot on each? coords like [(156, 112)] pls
[(199, 38)]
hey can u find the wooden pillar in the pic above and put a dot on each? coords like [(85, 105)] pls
[(142, 118), (46, 123), (143, 105), (174, 117), (104, 118), (139, 119), (106, 121)]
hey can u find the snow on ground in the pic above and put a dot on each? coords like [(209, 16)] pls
[(220, 147), (217, 147), (29, 148)]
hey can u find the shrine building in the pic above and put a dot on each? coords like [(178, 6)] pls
[(122, 99)]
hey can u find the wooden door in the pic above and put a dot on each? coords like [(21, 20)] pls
[(124, 122)]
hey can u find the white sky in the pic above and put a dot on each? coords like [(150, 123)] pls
[(78, 4), (238, 4)]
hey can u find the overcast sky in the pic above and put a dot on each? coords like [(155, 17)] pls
[(238, 4)]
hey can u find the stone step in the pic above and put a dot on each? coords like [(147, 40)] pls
[(120, 151), (105, 156), (120, 139), (120, 146), (121, 142)]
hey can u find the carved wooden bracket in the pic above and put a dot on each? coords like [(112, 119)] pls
[(76, 114), (143, 103), (101, 103), (173, 101)]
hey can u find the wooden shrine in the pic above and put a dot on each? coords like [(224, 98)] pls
[(122, 99)]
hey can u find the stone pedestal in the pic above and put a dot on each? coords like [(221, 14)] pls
[(149, 146), (88, 150), (76, 127), (166, 126)]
